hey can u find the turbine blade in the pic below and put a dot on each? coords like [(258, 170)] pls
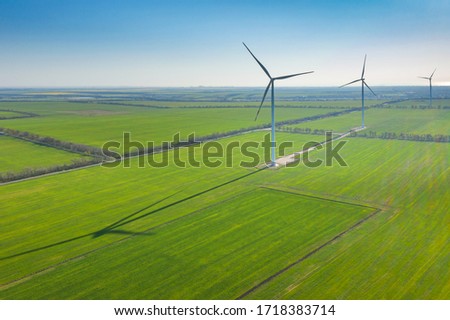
[(369, 87), (292, 75), (364, 67), (424, 78), (433, 73), (260, 64), (350, 83), (264, 98)]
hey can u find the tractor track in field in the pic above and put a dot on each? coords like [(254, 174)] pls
[(309, 254)]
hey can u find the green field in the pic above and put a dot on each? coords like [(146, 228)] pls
[(68, 218), (95, 124), (404, 252), (7, 114), (195, 221), (345, 104), (17, 155), (421, 103), (216, 252), (374, 229), (388, 120)]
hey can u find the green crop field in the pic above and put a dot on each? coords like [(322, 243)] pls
[(216, 252), (345, 104), (17, 155), (95, 124), (7, 114), (421, 103), (205, 226), (171, 240), (414, 121), (404, 252), (68, 218)]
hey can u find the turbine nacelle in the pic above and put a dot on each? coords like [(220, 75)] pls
[(429, 79), (271, 85), (272, 80), (362, 79), (363, 83)]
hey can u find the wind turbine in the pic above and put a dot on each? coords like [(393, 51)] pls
[(363, 83), (429, 79), (271, 84)]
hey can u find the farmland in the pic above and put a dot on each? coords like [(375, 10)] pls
[(389, 120), (7, 114), (95, 124), (374, 229), (12, 157)]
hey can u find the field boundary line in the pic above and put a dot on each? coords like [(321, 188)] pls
[(321, 198), (317, 249)]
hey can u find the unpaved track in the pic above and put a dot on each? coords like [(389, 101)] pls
[(283, 161)]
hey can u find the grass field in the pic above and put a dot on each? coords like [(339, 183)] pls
[(374, 229), (402, 253), (17, 155), (7, 114), (388, 120), (417, 103), (215, 233), (102, 123), (64, 217), (344, 104), (216, 252)]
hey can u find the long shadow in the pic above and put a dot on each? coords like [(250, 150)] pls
[(108, 229), (126, 220), (101, 232), (123, 221), (131, 233)]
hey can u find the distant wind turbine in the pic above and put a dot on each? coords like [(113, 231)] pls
[(429, 79), (363, 83), (271, 84)]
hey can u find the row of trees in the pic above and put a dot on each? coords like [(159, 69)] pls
[(374, 135), (253, 106), (403, 136), (17, 114), (302, 130), (392, 105), (54, 143), (32, 172), (93, 155)]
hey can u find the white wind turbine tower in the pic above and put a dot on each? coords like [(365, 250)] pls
[(363, 83), (271, 84), (429, 79)]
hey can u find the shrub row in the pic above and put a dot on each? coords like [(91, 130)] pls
[(18, 114), (374, 135), (32, 172), (55, 143)]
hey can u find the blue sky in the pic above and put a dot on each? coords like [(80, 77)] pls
[(199, 43)]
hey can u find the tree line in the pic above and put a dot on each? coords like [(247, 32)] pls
[(54, 143), (374, 135), (33, 172), (392, 105), (18, 114)]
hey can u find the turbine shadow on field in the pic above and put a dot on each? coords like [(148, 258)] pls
[(108, 229), (112, 228), (126, 220)]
